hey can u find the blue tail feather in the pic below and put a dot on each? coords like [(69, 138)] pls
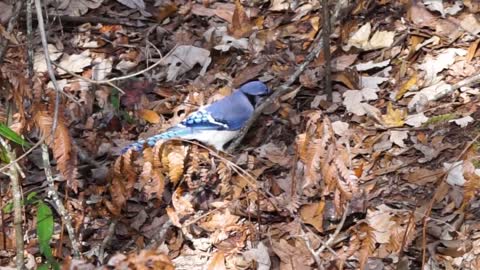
[(151, 141)]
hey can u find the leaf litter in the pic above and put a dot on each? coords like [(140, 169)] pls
[(348, 184)]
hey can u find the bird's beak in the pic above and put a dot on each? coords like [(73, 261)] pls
[(259, 100)]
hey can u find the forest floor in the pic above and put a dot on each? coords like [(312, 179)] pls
[(384, 173)]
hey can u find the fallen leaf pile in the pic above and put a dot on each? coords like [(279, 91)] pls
[(386, 175)]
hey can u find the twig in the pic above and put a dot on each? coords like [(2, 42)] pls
[(110, 81), (237, 169), (13, 173), (465, 82), (326, 50), (2, 217), (51, 74), (22, 156), (434, 198), (337, 231), (315, 256), (29, 41), (285, 88), (52, 193), (111, 231), (94, 19), (12, 22), (159, 237)]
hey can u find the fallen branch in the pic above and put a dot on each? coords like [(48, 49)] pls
[(96, 20), (52, 193), (435, 197), (13, 174), (335, 234), (110, 81), (463, 83), (22, 156), (326, 50), (48, 61), (106, 240), (285, 88)]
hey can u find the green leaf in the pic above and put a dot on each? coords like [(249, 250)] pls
[(10, 135), (31, 195), (31, 198), (45, 229), (115, 99), (8, 208), (3, 155), (45, 266), (127, 117)]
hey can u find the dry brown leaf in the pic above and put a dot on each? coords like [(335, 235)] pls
[(219, 221), (313, 214), (183, 58), (241, 25), (176, 162), (367, 246), (150, 116), (420, 16), (61, 144), (406, 87), (146, 259), (472, 50), (473, 5), (292, 256), (217, 261), (172, 214), (423, 176), (470, 24), (182, 205), (165, 11), (117, 190), (394, 118), (129, 174), (349, 77), (248, 74), (151, 178)]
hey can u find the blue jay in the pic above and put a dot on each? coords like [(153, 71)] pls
[(217, 123)]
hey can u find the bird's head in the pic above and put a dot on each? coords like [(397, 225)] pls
[(255, 91)]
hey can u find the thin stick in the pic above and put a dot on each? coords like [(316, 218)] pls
[(13, 173), (463, 83), (29, 41), (316, 258), (428, 211), (52, 193), (337, 231), (22, 156), (51, 74), (94, 20), (106, 240), (326, 50), (110, 81), (285, 88)]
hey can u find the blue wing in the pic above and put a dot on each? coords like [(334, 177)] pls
[(227, 114), (199, 120), (203, 119)]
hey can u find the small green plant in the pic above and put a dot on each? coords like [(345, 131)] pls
[(45, 232), (44, 228), (11, 135), (440, 119), (115, 101), (476, 163)]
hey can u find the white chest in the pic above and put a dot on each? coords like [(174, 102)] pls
[(215, 138)]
